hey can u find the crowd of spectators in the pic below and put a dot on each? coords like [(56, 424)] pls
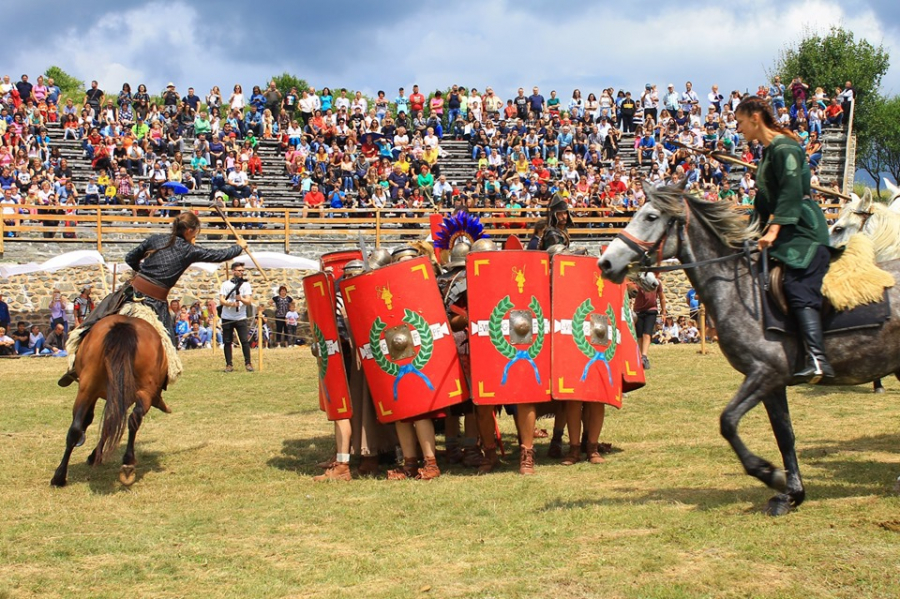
[(342, 150)]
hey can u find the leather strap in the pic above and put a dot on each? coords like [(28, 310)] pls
[(150, 289)]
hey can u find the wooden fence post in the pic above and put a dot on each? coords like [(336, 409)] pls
[(377, 228), (702, 318), (287, 230), (99, 230), (259, 338)]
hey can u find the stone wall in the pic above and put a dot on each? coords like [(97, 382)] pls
[(29, 296)]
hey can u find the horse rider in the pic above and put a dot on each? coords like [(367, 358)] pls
[(795, 228), (158, 263)]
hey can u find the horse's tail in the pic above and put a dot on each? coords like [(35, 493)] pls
[(119, 350)]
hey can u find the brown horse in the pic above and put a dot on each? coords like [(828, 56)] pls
[(122, 360)]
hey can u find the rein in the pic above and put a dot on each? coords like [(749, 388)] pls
[(647, 248)]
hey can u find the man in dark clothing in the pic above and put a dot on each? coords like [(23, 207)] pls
[(273, 99), (192, 99), (4, 314), (94, 97), (56, 341), (24, 88), (521, 104)]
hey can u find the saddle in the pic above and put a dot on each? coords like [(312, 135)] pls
[(854, 291)]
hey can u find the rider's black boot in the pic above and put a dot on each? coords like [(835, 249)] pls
[(817, 367)]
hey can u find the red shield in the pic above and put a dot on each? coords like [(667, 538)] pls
[(513, 243), (334, 392), (337, 260), (400, 328), (586, 338), (630, 352), (509, 320)]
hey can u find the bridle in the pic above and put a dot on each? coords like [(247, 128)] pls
[(647, 249)]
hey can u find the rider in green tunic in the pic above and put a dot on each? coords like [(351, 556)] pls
[(795, 228)]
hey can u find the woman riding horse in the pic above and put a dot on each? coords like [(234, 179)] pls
[(797, 232), (159, 261)]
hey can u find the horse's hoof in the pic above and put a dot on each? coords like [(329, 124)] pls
[(779, 480), (127, 475), (92, 458), (82, 440), (878, 390), (778, 505), (57, 481)]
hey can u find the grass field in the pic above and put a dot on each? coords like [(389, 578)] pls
[(224, 506)]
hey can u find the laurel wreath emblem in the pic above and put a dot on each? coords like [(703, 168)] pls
[(581, 339), (426, 345), (495, 329), (323, 351)]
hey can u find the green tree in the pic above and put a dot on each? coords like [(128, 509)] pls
[(831, 59), (286, 81), (880, 150), (69, 86)]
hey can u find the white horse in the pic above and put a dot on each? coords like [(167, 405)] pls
[(895, 195), (874, 220)]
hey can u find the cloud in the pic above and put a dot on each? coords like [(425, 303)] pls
[(502, 43)]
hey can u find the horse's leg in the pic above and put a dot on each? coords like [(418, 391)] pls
[(126, 474), (877, 386), (780, 417), (82, 414), (752, 391)]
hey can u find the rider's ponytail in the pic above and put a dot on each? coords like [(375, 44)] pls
[(184, 222)]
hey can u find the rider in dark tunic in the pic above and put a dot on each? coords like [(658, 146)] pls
[(158, 263), (556, 232), (796, 231)]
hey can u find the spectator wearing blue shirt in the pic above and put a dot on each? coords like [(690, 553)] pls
[(253, 120), (4, 314), (776, 93), (693, 301), (536, 102), (646, 146), (257, 99), (401, 102)]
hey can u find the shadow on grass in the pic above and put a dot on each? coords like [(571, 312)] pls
[(104, 479), (302, 455)]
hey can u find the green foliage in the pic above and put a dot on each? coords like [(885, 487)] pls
[(375, 345), (70, 86), (426, 346), (538, 344), (286, 81), (879, 149), (831, 59), (495, 327)]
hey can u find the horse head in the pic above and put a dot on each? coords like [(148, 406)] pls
[(651, 236), (894, 202), (852, 219)]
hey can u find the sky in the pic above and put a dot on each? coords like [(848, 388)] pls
[(360, 44)]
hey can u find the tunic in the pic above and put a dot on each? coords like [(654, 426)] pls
[(783, 198)]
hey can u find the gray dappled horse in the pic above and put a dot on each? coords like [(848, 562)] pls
[(673, 224)]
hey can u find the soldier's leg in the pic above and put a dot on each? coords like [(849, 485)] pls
[(573, 411), (341, 468), (451, 439), (596, 413), (425, 434), (484, 417), (560, 419), (406, 435), (525, 419)]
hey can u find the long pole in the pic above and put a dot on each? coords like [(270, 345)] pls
[(239, 238), (726, 158)]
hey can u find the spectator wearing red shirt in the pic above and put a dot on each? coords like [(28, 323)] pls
[(834, 114), (313, 201), (416, 100)]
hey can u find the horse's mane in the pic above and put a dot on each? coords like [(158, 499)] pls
[(885, 232), (726, 223)]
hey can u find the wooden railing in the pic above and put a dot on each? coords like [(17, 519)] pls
[(99, 225)]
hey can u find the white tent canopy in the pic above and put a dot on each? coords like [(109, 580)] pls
[(267, 260), (67, 260), (91, 257)]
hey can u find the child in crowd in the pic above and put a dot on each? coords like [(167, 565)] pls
[(291, 318)]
